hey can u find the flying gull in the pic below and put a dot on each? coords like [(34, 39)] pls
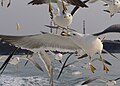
[(113, 6), (90, 43)]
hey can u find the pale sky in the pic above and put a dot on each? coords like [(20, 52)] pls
[(33, 18)]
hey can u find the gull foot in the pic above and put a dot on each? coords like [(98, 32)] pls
[(105, 68), (92, 68)]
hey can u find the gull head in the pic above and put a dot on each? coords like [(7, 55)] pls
[(67, 16)]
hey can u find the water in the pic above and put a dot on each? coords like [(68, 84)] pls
[(18, 75)]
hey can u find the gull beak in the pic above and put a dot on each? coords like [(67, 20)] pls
[(63, 33), (66, 17)]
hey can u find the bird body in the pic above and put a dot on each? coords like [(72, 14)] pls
[(60, 17), (63, 20), (89, 43)]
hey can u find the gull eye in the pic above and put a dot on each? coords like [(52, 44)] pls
[(74, 34)]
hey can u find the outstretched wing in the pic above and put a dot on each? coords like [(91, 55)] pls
[(31, 42), (72, 2)]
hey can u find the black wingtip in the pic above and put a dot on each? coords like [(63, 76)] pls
[(7, 60), (111, 29), (31, 3), (63, 66), (44, 32), (89, 81)]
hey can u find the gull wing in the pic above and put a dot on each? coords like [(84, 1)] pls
[(111, 29), (41, 41), (47, 62), (72, 2), (38, 2)]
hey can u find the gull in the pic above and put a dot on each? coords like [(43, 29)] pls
[(107, 82), (60, 17), (113, 6), (64, 19), (72, 41)]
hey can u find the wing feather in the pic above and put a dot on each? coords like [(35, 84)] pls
[(73, 2), (41, 41)]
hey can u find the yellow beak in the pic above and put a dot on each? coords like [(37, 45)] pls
[(66, 17), (63, 33)]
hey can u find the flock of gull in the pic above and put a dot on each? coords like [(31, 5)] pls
[(68, 40)]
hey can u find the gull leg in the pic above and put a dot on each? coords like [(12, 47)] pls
[(104, 66), (51, 15), (51, 23), (64, 7), (50, 8), (56, 30), (91, 66)]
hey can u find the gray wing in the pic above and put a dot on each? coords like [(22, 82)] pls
[(111, 29), (41, 41), (72, 2), (38, 2)]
